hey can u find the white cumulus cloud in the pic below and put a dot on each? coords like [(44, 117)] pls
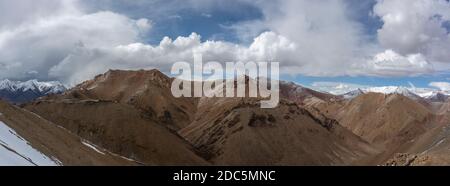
[(390, 63), (415, 26), (85, 62)]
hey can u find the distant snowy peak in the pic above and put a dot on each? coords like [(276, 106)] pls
[(393, 90), (389, 90), (383, 90), (413, 93), (352, 94), (438, 96), (7, 85), (19, 92), (34, 85)]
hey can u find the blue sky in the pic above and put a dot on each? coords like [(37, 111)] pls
[(178, 18)]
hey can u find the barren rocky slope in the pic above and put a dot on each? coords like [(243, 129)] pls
[(398, 126), (240, 133), (55, 142)]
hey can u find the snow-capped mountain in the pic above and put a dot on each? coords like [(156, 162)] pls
[(394, 90), (438, 96), (413, 93), (352, 94), (20, 92), (383, 90)]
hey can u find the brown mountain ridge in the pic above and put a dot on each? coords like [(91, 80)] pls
[(133, 113)]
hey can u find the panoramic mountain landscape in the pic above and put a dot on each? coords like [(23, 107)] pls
[(213, 83), (113, 120)]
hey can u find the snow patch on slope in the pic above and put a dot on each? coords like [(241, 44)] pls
[(92, 146), (16, 151)]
